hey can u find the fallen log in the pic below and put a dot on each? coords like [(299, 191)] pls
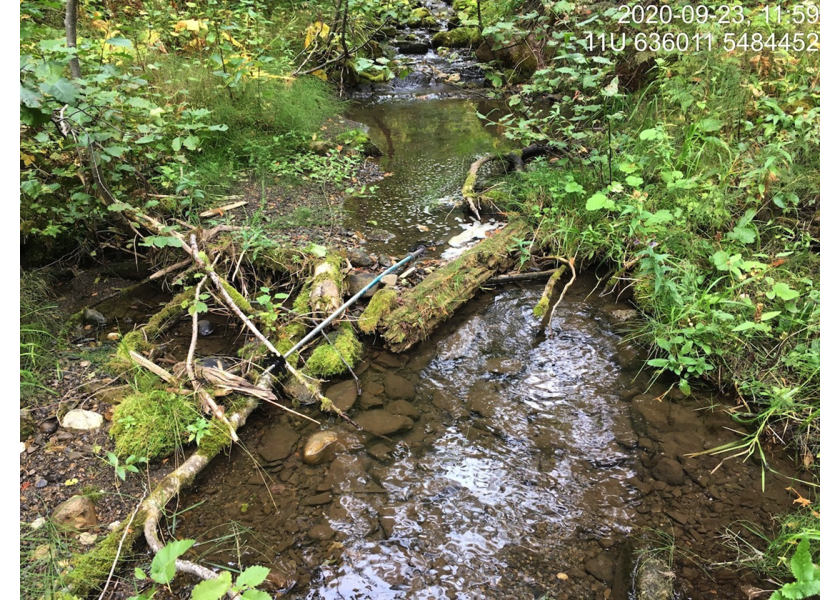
[(537, 276), (435, 299)]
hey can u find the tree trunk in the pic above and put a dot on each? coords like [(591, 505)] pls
[(70, 21), (441, 293)]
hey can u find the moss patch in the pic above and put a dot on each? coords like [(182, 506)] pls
[(326, 361), (90, 570), (382, 303), (461, 37), (150, 424)]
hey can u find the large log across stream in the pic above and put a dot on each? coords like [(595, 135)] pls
[(436, 298)]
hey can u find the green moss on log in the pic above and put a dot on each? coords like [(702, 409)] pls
[(151, 423), (90, 569), (238, 299), (326, 360), (435, 298), (382, 303), (460, 37)]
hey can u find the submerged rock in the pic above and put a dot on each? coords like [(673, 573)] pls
[(669, 471), (342, 394), (382, 422), (602, 567), (503, 366), (402, 407), (277, 443), (320, 447), (398, 388)]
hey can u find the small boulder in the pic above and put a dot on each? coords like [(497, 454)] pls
[(398, 388), (321, 532), (602, 567), (356, 282), (381, 422), (390, 280), (320, 447), (77, 512), (277, 443), (401, 407), (669, 471), (82, 419), (359, 258), (342, 394)]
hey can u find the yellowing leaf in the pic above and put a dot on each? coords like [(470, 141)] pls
[(70, 482), (191, 25), (320, 74), (27, 159), (317, 29)]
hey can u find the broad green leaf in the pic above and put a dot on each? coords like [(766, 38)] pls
[(612, 88), (769, 315), (650, 134), (597, 201), (146, 139), (119, 41), (319, 251), (139, 574), (252, 576), (191, 142), (31, 98), (801, 565), (176, 144), (212, 589), (163, 564), (63, 90), (745, 235), (116, 151), (634, 181), (660, 216), (198, 307), (783, 291), (162, 241), (684, 387), (573, 187), (659, 362), (255, 595), (708, 125)]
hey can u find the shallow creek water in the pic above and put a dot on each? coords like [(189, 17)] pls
[(512, 453)]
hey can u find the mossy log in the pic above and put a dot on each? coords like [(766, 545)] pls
[(325, 295), (542, 306), (382, 303), (437, 297)]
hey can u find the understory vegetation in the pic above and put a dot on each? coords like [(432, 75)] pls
[(693, 179), (689, 180)]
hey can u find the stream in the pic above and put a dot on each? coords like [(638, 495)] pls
[(509, 464)]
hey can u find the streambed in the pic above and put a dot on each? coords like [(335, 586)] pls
[(524, 467)]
